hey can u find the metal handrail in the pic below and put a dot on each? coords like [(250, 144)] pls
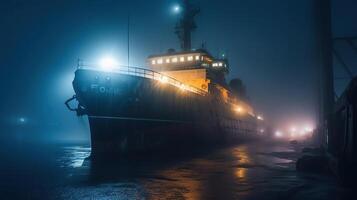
[(147, 73)]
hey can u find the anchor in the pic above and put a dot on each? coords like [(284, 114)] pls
[(80, 110)]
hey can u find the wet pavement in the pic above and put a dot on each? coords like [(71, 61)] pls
[(257, 170)]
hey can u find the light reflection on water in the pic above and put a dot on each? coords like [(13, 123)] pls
[(242, 172), (74, 156)]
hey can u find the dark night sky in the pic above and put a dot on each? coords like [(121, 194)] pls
[(270, 45)]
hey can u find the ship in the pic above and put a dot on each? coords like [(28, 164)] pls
[(180, 101)]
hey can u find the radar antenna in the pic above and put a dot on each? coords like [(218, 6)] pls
[(186, 24)]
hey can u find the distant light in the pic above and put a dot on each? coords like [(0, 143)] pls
[(278, 134), (308, 129), (108, 63), (176, 9), (261, 130), (223, 55), (22, 120)]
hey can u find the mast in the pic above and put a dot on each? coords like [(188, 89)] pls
[(128, 39), (186, 24)]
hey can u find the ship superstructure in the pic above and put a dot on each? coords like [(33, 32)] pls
[(180, 100)]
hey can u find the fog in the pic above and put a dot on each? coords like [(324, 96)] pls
[(271, 46)]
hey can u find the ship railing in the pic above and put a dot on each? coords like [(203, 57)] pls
[(147, 73)]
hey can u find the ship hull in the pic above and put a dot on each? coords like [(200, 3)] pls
[(131, 116)]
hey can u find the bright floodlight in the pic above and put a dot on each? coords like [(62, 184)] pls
[(176, 9), (107, 63)]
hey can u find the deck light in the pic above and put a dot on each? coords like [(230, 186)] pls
[(183, 87), (260, 117), (163, 79), (239, 109)]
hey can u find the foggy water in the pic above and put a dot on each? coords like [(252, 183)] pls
[(248, 171)]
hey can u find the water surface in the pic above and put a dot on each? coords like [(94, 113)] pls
[(257, 170)]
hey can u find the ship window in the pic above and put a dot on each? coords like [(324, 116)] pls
[(220, 64), (197, 57), (174, 59), (167, 60), (159, 61), (214, 64), (201, 58), (182, 59), (153, 62), (190, 58)]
